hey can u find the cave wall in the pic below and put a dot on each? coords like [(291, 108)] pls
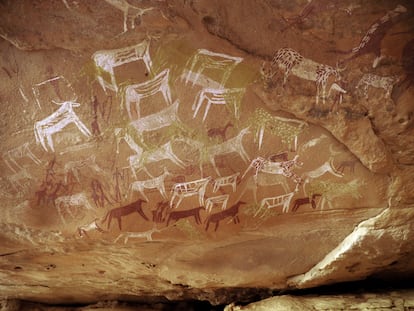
[(200, 149)]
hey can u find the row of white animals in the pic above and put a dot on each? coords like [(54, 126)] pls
[(187, 189), (202, 59), (286, 59), (107, 60)]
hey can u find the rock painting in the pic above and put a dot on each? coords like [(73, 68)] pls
[(132, 14), (147, 235), (11, 156), (232, 145), (219, 97), (372, 80), (153, 183), (92, 226), (56, 122), (287, 129), (180, 167), (107, 60), (220, 200), (371, 41), (232, 212), (204, 59), (186, 189), (56, 89), (119, 212), (273, 202), (156, 121), (70, 204), (290, 61), (134, 93)]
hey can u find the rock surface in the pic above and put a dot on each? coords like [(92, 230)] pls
[(368, 301), (210, 150)]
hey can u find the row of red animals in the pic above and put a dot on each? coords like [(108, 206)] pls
[(163, 214)]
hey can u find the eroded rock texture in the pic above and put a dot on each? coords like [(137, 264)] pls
[(211, 150)]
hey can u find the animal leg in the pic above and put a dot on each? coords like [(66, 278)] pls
[(162, 191), (125, 20), (176, 160), (119, 223), (217, 224), (167, 95), (143, 194), (137, 107), (285, 77), (13, 161), (243, 154), (147, 61), (40, 136), (84, 130), (366, 90), (61, 215), (33, 157), (9, 165), (261, 134), (109, 221), (172, 200), (119, 236), (197, 75), (207, 109), (200, 101), (197, 219), (213, 162), (50, 142), (168, 220)]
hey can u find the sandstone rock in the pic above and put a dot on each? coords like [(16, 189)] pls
[(157, 149), (368, 301)]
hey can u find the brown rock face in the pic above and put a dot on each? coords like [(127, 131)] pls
[(200, 149)]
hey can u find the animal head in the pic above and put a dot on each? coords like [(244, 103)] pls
[(400, 9)]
